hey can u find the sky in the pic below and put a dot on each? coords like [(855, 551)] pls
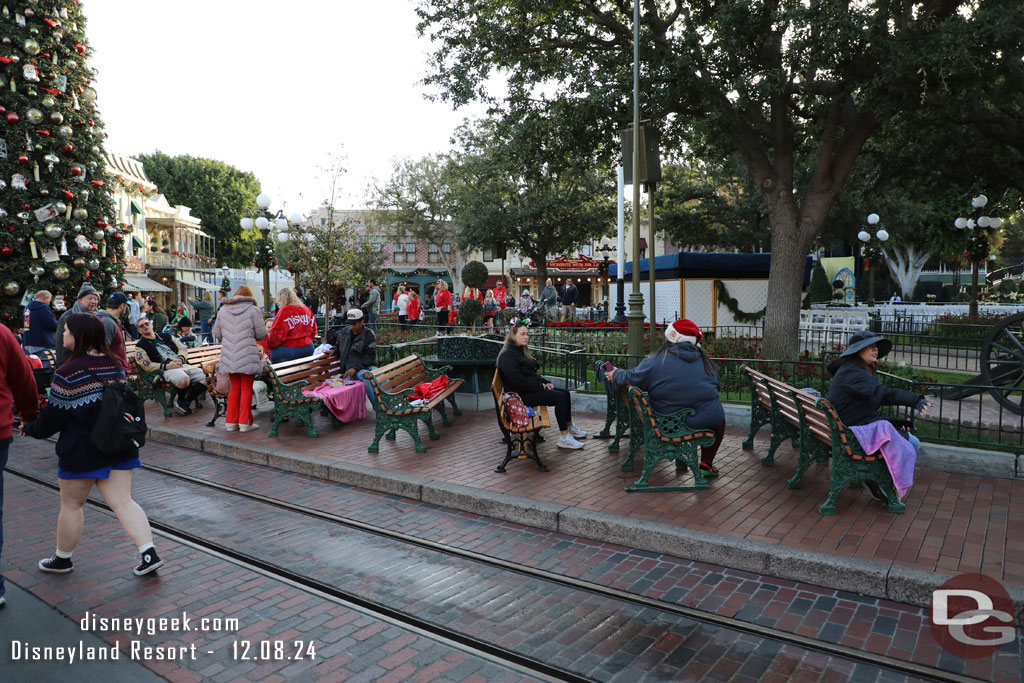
[(274, 88)]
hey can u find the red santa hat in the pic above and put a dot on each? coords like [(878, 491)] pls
[(683, 331)]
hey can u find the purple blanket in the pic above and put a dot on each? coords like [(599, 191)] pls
[(899, 455)]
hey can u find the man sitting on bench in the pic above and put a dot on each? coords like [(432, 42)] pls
[(356, 347), (160, 351)]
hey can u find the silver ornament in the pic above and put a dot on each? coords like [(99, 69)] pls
[(61, 272), (52, 231), (12, 288)]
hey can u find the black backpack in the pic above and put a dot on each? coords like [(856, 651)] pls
[(120, 425)]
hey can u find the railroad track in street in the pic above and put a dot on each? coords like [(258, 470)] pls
[(495, 574)]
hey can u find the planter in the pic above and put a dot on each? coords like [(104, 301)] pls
[(466, 348)]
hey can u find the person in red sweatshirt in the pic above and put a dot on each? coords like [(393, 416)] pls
[(291, 336), (413, 309), (17, 390)]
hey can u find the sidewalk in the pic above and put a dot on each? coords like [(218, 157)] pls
[(748, 519)]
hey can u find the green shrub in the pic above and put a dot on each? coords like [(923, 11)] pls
[(474, 274), (819, 291), (471, 311)]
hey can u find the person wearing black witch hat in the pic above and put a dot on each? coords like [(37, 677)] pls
[(857, 394)]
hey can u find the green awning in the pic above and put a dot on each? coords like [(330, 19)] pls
[(136, 208), (138, 243)]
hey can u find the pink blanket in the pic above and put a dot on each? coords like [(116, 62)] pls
[(898, 453), (346, 401)]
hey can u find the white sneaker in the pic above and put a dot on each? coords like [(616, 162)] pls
[(576, 432), (231, 426), (248, 428), (568, 442)]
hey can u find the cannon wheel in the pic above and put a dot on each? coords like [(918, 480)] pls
[(1002, 361)]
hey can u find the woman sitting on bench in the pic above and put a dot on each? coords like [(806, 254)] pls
[(857, 394), (680, 375), (519, 374)]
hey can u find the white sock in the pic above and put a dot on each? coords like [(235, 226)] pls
[(146, 546), (63, 555)]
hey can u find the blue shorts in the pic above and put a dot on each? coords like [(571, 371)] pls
[(102, 473)]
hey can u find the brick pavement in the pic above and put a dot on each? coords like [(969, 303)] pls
[(954, 523), (875, 625), (596, 637)]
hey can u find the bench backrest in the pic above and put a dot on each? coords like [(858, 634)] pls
[(759, 385), (824, 424), (199, 355), (315, 369), (670, 428), (402, 375)]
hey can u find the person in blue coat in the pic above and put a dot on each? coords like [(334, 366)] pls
[(680, 375), (40, 330)]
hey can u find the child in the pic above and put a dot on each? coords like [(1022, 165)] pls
[(183, 331)]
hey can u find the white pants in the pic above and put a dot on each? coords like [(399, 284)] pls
[(185, 375)]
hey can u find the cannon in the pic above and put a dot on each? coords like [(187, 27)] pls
[(1001, 365)]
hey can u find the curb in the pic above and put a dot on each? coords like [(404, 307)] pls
[(875, 579)]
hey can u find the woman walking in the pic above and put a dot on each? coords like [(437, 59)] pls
[(204, 314), (75, 398), (239, 326), (402, 302), (442, 304)]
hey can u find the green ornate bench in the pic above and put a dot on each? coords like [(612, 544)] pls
[(760, 406), (523, 439), (666, 437), (152, 386), (392, 384), (619, 412), (825, 435), (290, 378), (777, 400)]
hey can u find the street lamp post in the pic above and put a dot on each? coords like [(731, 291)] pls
[(606, 249), (977, 243), (262, 220), (872, 253)]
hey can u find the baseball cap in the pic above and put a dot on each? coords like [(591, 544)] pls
[(116, 299), (354, 314)]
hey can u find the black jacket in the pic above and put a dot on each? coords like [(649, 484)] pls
[(149, 346), (519, 372), (856, 395), (355, 351)]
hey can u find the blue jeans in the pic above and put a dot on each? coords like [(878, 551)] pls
[(361, 375), (915, 442), (280, 354), (5, 446), (371, 321), (206, 328)]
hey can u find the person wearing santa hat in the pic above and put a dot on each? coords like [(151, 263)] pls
[(680, 375)]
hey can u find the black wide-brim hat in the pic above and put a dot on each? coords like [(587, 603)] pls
[(863, 339)]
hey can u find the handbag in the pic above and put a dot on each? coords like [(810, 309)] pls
[(222, 380)]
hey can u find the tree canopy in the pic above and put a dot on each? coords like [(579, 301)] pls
[(795, 88), (523, 185), (217, 193)]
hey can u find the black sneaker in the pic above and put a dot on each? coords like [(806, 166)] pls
[(150, 562), (182, 407), (875, 491), (56, 565)]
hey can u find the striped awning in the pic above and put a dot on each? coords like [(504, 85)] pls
[(194, 282), (141, 283)]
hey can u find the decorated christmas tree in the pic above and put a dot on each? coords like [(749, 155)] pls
[(56, 225)]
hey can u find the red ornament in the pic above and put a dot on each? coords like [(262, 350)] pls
[(12, 117), (69, 195), (76, 170), (6, 60), (97, 183), (43, 132), (23, 158), (7, 251), (100, 223), (12, 228), (68, 146), (55, 93), (79, 48), (50, 22), (26, 207)]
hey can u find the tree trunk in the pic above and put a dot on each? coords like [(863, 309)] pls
[(906, 265), (785, 285)]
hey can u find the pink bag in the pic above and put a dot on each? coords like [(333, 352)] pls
[(222, 381)]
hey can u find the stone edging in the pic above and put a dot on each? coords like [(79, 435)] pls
[(867, 577)]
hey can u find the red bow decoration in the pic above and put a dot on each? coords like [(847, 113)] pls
[(51, 91), (50, 22), (7, 60), (97, 183), (43, 132), (69, 195)]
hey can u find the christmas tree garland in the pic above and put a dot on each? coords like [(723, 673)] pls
[(733, 306)]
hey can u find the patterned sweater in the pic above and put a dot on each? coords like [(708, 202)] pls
[(74, 404)]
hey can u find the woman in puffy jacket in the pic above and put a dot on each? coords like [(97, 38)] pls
[(518, 371), (294, 329), (680, 375), (239, 326)]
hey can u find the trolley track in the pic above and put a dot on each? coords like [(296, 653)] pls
[(494, 653)]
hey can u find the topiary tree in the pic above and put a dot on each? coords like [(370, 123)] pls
[(471, 311), (474, 274), (819, 290), (919, 291)]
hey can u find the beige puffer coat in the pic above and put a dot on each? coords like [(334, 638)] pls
[(238, 326)]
